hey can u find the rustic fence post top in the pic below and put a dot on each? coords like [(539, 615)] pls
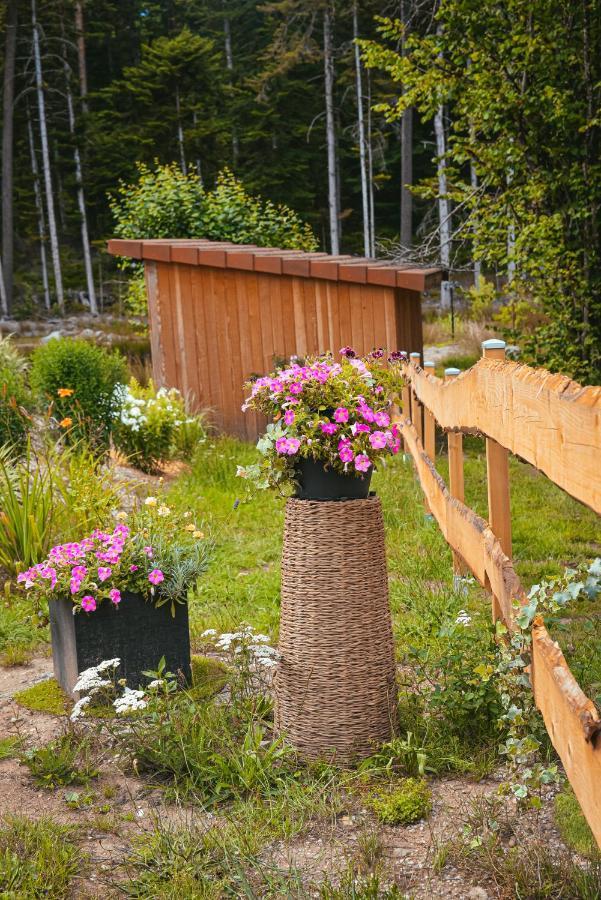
[(277, 261), (493, 344), (451, 372), (429, 364)]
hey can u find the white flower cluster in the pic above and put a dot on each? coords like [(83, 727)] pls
[(90, 682), (133, 411), (463, 619), (129, 701), (246, 641)]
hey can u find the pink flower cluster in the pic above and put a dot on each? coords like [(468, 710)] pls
[(80, 567)]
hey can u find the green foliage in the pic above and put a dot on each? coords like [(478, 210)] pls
[(403, 804), (46, 697), (524, 94), (153, 426), (66, 760), (14, 398), (27, 503), (481, 301), (573, 827), (165, 203), (357, 887), (38, 858), (76, 380), (9, 747)]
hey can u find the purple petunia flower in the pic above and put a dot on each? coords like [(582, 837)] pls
[(156, 576), (362, 462)]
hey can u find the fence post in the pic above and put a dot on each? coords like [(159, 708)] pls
[(497, 471), (429, 422), (456, 479), (416, 407)]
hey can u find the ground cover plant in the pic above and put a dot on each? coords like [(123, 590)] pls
[(211, 750)]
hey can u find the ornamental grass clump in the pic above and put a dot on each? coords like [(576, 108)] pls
[(158, 554), (336, 413)]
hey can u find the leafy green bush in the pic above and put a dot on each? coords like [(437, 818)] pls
[(403, 805), (78, 380), (13, 400), (152, 426)]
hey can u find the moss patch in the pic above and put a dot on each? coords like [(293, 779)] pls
[(208, 677), (572, 825), (403, 804), (46, 696)]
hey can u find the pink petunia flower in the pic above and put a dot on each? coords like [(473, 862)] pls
[(115, 596), (378, 440), (293, 445), (328, 427), (88, 603), (104, 572), (156, 576), (289, 416), (133, 568), (281, 444), (362, 462), (296, 388), (75, 585), (341, 415), (382, 419), (148, 551), (358, 427), (345, 453), (365, 411)]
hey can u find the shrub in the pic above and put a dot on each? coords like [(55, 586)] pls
[(403, 805), (13, 399), (78, 380), (152, 426)]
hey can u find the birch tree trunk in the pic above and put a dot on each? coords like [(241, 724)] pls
[(406, 229), (370, 172), (333, 199), (180, 134), (39, 83), (444, 206), (3, 303), (80, 38), (362, 147), (39, 205), (477, 263), (10, 48), (81, 200), (229, 62)]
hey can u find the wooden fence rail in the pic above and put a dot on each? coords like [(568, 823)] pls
[(556, 425)]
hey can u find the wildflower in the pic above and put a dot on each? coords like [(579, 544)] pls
[(88, 603), (289, 416), (148, 551), (348, 352), (164, 510), (377, 354), (463, 619), (115, 596), (104, 572), (396, 355), (362, 462), (65, 392), (150, 501), (78, 708), (341, 415), (66, 422), (198, 534), (210, 632), (156, 576), (378, 440)]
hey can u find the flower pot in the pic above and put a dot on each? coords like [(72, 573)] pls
[(316, 482), (136, 632)]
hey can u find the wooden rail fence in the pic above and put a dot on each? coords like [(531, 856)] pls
[(555, 424)]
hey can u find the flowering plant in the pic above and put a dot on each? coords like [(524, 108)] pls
[(338, 413), (158, 554)]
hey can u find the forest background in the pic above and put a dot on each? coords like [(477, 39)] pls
[(450, 132)]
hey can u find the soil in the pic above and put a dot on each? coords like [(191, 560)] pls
[(124, 807)]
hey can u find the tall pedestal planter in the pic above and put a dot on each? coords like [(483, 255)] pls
[(335, 683), (136, 632)]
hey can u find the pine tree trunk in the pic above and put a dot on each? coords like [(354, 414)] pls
[(362, 143), (180, 135), (39, 205), (39, 83), (10, 48), (81, 200), (333, 200)]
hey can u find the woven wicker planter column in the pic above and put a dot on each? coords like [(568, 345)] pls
[(335, 683)]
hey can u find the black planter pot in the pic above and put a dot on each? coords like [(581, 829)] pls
[(136, 632), (315, 482)]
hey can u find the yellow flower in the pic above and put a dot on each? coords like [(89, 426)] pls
[(65, 392), (150, 501), (66, 422), (121, 515), (198, 534), (190, 527)]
